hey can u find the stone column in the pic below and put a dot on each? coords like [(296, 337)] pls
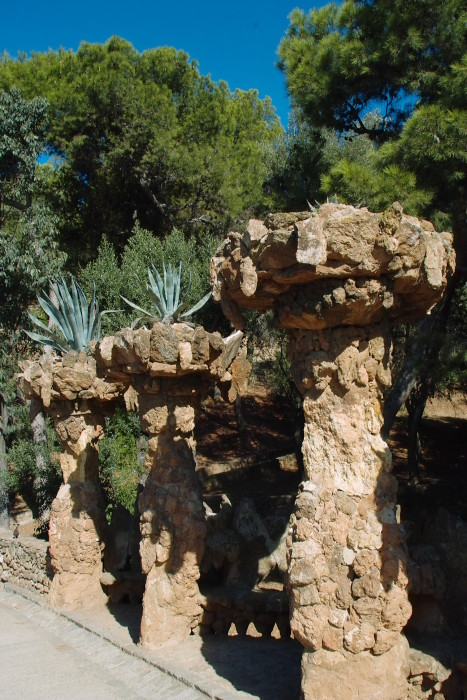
[(77, 520), (74, 395), (173, 528), (337, 279), (347, 556)]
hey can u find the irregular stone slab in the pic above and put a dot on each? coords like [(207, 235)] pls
[(329, 675), (402, 264)]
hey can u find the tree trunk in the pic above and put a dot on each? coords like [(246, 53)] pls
[(240, 418), (416, 406), (4, 517), (299, 426), (419, 359), (39, 438), (416, 379), (409, 375)]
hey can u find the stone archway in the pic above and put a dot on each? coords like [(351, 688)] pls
[(337, 279), (162, 372)]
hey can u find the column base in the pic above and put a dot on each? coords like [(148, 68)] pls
[(329, 675), (171, 608), (75, 532)]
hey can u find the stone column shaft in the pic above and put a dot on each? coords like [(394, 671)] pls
[(77, 519), (347, 556), (173, 528), (327, 274), (163, 371)]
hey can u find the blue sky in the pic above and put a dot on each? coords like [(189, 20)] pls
[(234, 41)]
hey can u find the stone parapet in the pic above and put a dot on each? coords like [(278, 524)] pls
[(337, 266)]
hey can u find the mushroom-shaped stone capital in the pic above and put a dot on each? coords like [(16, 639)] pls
[(336, 266)]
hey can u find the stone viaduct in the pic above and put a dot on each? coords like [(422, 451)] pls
[(337, 280)]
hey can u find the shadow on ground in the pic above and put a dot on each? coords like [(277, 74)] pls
[(128, 616), (267, 668)]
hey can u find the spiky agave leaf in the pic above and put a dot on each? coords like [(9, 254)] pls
[(72, 313), (53, 341), (155, 289), (199, 305), (165, 292), (178, 286), (169, 278), (55, 313), (77, 321)]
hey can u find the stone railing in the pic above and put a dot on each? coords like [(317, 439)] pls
[(337, 279)]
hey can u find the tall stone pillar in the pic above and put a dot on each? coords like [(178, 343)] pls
[(337, 279), (173, 366), (77, 518), (173, 527), (74, 396), (347, 556)]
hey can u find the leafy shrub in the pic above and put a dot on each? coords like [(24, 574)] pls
[(168, 302), (121, 460), (268, 354), (38, 488), (114, 278), (76, 321)]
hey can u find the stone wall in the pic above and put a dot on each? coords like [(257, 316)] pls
[(25, 562), (258, 613)]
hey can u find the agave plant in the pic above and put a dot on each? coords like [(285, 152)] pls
[(77, 321), (165, 294)]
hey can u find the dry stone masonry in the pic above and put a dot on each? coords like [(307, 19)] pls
[(337, 279), (25, 562), (162, 372)]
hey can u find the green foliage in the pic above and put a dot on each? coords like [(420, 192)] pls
[(77, 321), (451, 367), (121, 459), (340, 60), (143, 135), (28, 230), (194, 255), (104, 274), (22, 463), (375, 185), (268, 354), (294, 164), (30, 257), (12, 349), (433, 145), (37, 489), (409, 60), (21, 142), (113, 280), (166, 296)]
